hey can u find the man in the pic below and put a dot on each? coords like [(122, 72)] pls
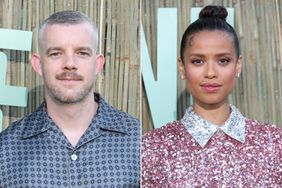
[(74, 139)]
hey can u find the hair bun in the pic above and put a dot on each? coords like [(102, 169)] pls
[(212, 11)]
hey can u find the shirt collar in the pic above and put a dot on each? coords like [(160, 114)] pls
[(109, 118), (202, 130), (106, 118), (36, 123)]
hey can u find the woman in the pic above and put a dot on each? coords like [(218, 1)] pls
[(213, 145)]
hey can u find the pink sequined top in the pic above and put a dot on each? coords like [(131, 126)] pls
[(171, 157)]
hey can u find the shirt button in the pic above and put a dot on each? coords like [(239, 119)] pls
[(73, 157)]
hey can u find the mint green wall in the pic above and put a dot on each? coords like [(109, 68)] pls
[(162, 92), (12, 95)]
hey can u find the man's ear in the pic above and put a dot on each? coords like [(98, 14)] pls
[(36, 64), (100, 60), (181, 68)]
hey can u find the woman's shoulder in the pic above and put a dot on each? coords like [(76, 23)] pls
[(256, 125), (257, 129), (166, 133)]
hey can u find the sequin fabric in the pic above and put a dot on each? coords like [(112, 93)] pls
[(172, 157)]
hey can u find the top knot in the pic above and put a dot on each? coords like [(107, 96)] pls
[(212, 11)]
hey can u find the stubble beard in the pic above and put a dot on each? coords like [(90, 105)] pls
[(59, 95)]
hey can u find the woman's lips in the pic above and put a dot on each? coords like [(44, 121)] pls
[(211, 87)]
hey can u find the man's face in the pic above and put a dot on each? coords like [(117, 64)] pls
[(68, 59)]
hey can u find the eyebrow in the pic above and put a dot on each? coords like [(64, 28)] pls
[(198, 55), (202, 55), (223, 54), (85, 49), (59, 49)]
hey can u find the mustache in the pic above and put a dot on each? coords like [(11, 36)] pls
[(69, 76)]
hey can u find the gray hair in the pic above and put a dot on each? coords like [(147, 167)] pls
[(67, 17)]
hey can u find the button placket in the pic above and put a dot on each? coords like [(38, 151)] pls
[(74, 157)]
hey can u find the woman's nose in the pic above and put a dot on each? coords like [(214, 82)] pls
[(210, 70)]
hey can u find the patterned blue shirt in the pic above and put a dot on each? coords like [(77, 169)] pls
[(35, 153)]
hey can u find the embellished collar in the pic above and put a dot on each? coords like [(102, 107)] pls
[(202, 130)]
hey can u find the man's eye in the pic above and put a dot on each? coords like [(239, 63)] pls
[(84, 53), (197, 62), (54, 54)]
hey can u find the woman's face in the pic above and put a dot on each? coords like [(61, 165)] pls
[(210, 67)]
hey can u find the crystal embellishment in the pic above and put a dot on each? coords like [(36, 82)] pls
[(202, 130)]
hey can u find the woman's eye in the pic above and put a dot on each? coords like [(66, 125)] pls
[(224, 61), (197, 62)]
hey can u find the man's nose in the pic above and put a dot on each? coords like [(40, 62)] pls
[(70, 63)]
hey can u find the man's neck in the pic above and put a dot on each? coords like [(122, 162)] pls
[(72, 119)]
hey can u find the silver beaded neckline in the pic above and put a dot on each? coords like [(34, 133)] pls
[(202, 130)]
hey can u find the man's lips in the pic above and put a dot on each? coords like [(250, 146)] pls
[(69, 79), (69, 76)]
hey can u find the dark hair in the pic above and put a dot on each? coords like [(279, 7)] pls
[(210, 18)]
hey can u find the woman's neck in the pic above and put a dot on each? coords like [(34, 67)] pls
[(216, 114)]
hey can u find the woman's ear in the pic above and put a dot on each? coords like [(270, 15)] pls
[(181, 69), (36, 63), (239, 66)]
